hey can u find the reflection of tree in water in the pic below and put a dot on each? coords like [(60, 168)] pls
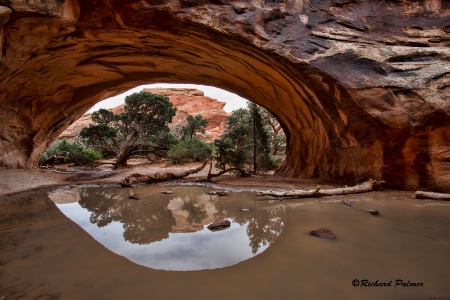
[(264, 224), (151, 219), (196, 211), (264, 228), (144, 222), (192, 209)]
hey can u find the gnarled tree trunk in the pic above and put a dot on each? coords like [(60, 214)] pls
[(126, 151)]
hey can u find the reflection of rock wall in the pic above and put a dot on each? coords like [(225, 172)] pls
[(191, 213), (65, 196)]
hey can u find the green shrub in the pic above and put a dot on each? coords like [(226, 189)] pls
[(183, 152), (44, 158), (73, 153), (277, 160), (91, 154)]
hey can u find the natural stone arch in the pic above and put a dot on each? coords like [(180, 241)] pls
[(357, 98)]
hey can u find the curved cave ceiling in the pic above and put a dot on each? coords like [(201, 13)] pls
[(358, 95)]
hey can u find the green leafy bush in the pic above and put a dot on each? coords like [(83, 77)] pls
[(71, 152), (91, 154), (43, 159), (183, 152), (190, 147)]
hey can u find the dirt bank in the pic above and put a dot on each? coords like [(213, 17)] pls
[(44, 255)]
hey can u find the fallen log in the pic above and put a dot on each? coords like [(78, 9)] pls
[(158, 177), (431, 195), (367, 186), (367, 210)]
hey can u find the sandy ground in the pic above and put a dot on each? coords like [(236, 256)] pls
[(14, 181), (44, 255)]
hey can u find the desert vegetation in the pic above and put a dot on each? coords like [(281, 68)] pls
[(251, 143), (62, 151)]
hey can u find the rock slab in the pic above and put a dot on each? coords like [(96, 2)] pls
[(324, 233), (219, 224)]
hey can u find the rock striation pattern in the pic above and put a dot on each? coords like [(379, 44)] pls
[(361, 87), (187, 101), (194, 102)]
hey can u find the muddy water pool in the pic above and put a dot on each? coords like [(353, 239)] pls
[(165, 228), (404, 253)]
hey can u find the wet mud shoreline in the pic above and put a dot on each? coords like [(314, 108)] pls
[(44, 255)]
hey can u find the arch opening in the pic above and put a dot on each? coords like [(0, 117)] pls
[(231, 101), (195, 59), (304, 102), (337, 125)]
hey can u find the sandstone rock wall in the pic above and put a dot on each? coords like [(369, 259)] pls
[(187, 101), (194, 102), (361, 87)]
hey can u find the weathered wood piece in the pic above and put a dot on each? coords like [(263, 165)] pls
[(431, 195), (367, 210), (158, 177), (293, 194)]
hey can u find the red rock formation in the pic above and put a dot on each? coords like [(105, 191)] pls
[(359, 86), (187, 102), (194, 102)]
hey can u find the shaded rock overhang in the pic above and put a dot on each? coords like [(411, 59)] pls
[(360, 87)]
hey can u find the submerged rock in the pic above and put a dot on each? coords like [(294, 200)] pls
[(367, 210), (133, 196), (371, 211), (219, 224), (218, 193), (324, 233)]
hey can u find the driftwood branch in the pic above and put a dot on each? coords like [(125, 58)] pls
[(431, 195), (211, 175), (158, 177), (318, 192), (367, 210)]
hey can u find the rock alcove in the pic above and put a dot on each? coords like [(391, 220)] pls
[(361, 87)]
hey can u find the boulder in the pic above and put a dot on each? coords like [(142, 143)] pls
[(219, 224), (324, 233)]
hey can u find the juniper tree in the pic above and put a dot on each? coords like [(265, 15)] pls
[(141, 129), (244, 147)]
